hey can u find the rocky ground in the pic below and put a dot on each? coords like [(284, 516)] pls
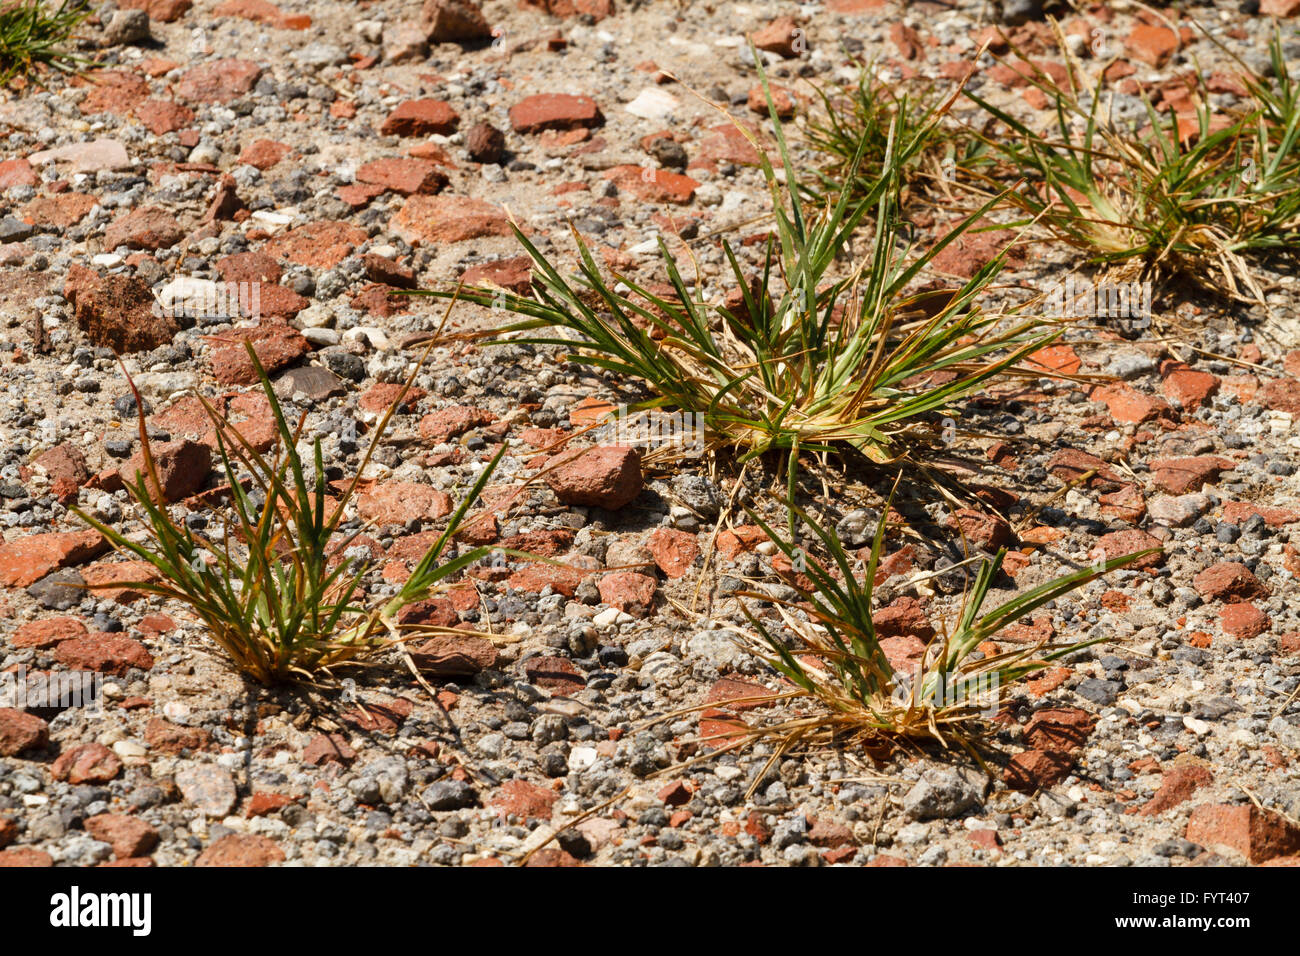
[(335, 152)]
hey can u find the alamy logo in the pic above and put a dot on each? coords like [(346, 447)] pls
[(76, 909), (680, 431), (201, 298), (60, 690), (1081, 299), (940, 690)]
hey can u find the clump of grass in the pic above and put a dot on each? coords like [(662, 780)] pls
[(801, 359), (276, 591), (855, 125), (31, 35), (839, 664), (1152, 200)]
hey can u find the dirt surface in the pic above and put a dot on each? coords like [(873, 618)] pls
[(333, 153)]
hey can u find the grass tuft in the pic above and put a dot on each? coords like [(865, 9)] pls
[(1154, 197), (837, 660), (30, 35), (798, 358), (276, 591), (857, 122)]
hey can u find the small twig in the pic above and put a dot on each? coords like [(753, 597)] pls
[(880, 818), (573, 823), (713, 538), (40, 341), (1287, 703)]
